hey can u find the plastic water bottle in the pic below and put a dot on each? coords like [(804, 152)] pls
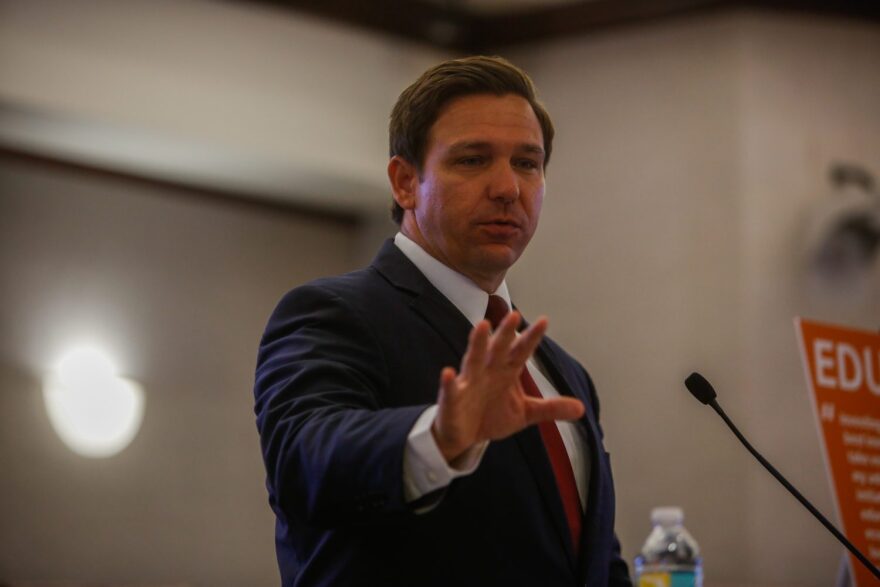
[(670, 556)]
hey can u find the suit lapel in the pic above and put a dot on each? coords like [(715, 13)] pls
[(551, 363), (425, 299)]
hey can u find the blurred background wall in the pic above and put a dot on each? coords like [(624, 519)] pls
[(169, 169)]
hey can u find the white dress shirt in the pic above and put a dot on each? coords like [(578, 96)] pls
[(424, 468)]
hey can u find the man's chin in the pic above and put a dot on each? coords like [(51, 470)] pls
[(498, 258)]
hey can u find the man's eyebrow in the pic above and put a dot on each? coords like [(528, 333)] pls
[(468, 146), (532, 148), (483, 145)]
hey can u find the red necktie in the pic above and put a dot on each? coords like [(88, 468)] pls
[(553, 444)]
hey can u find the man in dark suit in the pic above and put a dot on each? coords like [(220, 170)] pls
[(407, 440)]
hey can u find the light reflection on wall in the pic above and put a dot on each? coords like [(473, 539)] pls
[(93, 410)]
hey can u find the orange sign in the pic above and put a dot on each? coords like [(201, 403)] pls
[(843, 372)]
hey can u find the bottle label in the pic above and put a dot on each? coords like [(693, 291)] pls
[(668, 579)]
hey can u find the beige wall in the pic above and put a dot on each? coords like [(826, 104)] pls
[(178, 288), (689, 153)]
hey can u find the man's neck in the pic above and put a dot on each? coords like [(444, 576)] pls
[(464, 294), (487, 283)]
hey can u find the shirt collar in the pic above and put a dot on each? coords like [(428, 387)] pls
[(458, 289)]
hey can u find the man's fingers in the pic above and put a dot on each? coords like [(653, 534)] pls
[(528, 341), (503, 341), (556, 408), (448, 385), (446, 428), (504, 337), (478, 343)]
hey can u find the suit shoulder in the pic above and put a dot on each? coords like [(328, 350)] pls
[(360, 300), (348, 288), (325, 311), (340, 285)]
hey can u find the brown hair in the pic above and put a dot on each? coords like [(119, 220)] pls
[(420, 104)]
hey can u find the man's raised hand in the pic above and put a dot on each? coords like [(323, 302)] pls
[(485, 400)]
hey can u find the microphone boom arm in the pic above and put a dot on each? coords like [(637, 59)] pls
[(828, 525)]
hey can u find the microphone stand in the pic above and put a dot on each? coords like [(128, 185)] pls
[(828, 525), (705, 393)]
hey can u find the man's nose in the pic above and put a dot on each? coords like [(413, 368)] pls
[(504, 183)]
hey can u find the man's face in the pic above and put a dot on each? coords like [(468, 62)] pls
[(476, 204)]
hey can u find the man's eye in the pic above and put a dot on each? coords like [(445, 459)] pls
[(529, 164), (470, 161)]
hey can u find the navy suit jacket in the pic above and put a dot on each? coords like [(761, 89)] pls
[(346, 366)]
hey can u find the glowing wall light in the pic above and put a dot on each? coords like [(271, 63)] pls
[(96, 412)]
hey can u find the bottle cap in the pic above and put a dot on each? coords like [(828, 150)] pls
[(667, 516)]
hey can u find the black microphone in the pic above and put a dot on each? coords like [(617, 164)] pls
[(703, 391)]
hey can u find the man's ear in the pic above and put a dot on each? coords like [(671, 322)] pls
[(404, 178)]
